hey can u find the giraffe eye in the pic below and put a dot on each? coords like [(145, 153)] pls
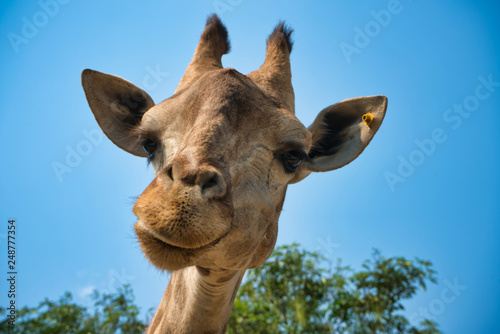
[(150, 147), (292, 160)]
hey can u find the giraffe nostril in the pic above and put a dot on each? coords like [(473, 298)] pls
[(210, 183), (207, 180), (169, 173)]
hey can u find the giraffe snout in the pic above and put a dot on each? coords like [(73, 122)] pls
[(186, 206), (205, 181)]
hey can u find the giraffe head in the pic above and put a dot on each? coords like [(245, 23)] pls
[(224, 148)]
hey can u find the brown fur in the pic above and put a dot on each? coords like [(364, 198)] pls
[(219, 147)]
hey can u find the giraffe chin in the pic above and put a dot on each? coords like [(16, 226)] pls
[(165, 256)]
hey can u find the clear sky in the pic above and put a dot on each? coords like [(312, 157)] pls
[(427, 185)]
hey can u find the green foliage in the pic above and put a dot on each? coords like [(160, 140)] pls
[(286, 294), (294, 292), (112, 313)]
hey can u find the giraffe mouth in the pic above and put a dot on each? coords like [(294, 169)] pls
[(140, 225), (166, 256)]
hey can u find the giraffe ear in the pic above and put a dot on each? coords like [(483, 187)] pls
[(341, 132), (118, 107)]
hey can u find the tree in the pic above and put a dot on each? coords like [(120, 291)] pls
[(295, 291), (113, 313), (287, 293)]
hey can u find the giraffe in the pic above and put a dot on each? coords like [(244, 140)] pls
[(224, 148)]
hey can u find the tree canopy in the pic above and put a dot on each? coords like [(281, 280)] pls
[(294, 291), (112, 313), (297, 291)]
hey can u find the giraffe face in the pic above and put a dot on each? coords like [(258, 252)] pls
[(223, 155), (224, 149)]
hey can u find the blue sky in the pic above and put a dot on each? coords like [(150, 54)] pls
[(427, 185)]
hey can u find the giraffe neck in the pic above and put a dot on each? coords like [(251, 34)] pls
[(197, 301)]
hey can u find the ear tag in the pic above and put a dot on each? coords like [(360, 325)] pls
[(368, 118)]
